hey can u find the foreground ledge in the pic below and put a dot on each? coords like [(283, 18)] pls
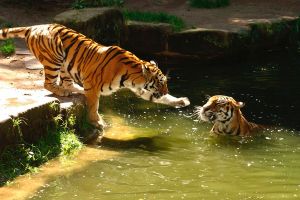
[(28, 111), (27, 115)]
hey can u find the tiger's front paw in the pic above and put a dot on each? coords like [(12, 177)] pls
[(182, 102), (99, 123)]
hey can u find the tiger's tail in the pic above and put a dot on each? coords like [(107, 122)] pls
[(18, 32)]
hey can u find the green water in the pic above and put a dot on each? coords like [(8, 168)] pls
[(182, 161)]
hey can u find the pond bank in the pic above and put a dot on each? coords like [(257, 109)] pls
[(28, 110), (193, 45)]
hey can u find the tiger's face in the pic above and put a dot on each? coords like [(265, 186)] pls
[(218, 108), (156, 81)]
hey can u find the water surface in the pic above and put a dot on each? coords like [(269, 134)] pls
[(181, 160)]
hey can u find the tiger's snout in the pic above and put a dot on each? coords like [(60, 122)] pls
[(211, 116), (205, 114)]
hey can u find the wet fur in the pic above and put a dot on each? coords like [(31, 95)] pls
[(225, 114)]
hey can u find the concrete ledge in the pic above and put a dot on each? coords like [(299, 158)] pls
[(26, 115), (27, 110)]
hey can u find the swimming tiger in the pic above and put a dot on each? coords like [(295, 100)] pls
[(99, 70), (224, 112)]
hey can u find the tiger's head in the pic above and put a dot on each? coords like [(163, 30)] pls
[(155, 81), (219, 108), (224, 112)]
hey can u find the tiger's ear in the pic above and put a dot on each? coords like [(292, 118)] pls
[(207, 97), (146, 71), (240, 104), (153, 62)]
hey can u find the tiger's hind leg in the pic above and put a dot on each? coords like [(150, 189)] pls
[(67, 83)]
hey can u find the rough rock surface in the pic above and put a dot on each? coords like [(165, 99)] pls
[(146, 37), (104, 25)]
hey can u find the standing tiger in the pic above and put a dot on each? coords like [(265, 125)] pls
[(99, 70), (224, 112)]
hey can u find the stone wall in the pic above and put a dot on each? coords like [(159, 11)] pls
[(157, 40), (147, 38), (103, 25), (28, 124)]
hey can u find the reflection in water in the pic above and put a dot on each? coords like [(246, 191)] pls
[(182, 161), (119, 130)]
